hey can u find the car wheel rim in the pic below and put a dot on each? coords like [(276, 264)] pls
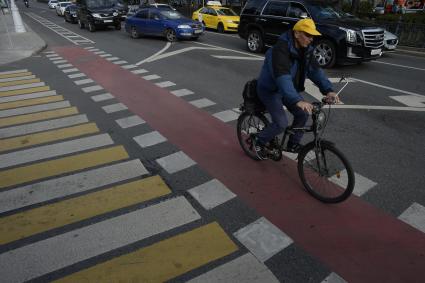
[(171, 36), (323, 54), (253, 41), (134, 32)]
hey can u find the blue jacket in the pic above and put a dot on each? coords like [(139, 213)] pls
[(285, 69)]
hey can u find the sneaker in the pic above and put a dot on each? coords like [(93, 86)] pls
[(294, 148), (259, 149)]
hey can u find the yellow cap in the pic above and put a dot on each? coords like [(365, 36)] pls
[(307, 26)]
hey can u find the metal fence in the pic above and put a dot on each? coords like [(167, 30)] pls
[(412, 35)]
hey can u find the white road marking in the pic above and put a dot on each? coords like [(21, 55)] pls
[(362, 184), (92, 88), (334, 278), (237, 58), (84, 81), (368, 107), (17, 79), (64, 66), (211, 194), (414, 216), (232, 50), (410, 100), (114, 108), (175, 162), (55, 58), (263, 239), (35, 108), (149, 139), (27, 96), (172, 53), (202, 103), (102, 97), (59, 61), (79, 75), (130, 121), (389, 88), (70, 70), (129, 67), (15, 87), (68, 185), (105, 55), (226, 116), (182, 92), (165, 84), (398, 65), (151, 77), (167, 45), (120, 62), (112, 58), (13, 72), (139, 71), (46, 256)]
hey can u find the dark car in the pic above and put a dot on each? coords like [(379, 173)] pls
[(98, 13), (344, 37), (70, 14), (162, 22)]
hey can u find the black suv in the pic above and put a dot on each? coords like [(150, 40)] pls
[(344, 37), (98, 13)]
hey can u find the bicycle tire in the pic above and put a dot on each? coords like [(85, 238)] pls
[(333, 184), (248, 124)]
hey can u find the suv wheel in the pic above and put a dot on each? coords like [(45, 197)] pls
[(80, 24), (254, 41), (325, 53), (92, 28), (170, 34)]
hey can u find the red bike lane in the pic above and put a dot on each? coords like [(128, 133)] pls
[(354, 239)]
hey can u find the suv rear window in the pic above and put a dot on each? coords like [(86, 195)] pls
[(274, 8), (296, 9), (251, 7)]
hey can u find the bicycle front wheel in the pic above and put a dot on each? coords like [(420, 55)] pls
[(249, 124), (325, 172)]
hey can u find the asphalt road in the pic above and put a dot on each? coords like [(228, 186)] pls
[(382, 136)]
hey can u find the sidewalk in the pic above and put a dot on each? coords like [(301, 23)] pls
[(16, 46)]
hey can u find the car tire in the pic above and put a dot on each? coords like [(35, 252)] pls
[(325, 53), (80, 24), (134, 33), (220, 28), (92, 27), (170, 35), (254, 41), (204, 24)]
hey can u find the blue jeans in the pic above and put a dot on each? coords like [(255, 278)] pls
[(274, 105)]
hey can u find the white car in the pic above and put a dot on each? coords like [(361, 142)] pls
[(60, 7), (390, 41), (52, 4)]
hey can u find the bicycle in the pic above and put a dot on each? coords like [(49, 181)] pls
[(323, 169)]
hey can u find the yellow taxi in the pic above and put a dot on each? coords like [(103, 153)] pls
[(217, 17)]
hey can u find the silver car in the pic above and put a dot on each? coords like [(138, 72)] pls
[(390, 41)]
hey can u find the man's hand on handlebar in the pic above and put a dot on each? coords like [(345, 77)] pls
[(331, 98), (307, 107)]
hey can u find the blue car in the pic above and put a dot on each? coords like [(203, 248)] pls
[(162, 22)]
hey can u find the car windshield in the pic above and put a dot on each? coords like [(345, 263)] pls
[(64, 4), (171, 15), (226, 12), (321, 12), (101, 3)]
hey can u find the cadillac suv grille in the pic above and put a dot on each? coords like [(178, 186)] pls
[(373, 38)]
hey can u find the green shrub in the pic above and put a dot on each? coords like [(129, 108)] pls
[(411, 18)]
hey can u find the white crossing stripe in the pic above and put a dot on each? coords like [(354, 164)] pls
[(175, 162), (290, 155), (410, 100), (52, 55), (245, 268), (64, 66), (131, 121), (53, 58), (70, 70), (114, 108), (112, 58), (46, 256), (68, 185), (414, 216), (334, 278), (94, 49), (151, 77), (105, 55), (84, 81), (89, 48), (49, 52), (211, 194), (17, 79), (120, 62), (182, 92), (226, 116), (92, 88), (42, 126), (150, 139), (361, 186), (60, 61), (15, 87), (78, 75), (263, 239), (99, 52), (201, 103), (165, 84), (27, 96), (139, 71), (129, 67), (35, 108), (102, 97), (54, 150), (13, 72)]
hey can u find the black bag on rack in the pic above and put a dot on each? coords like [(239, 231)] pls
[(250, 98)]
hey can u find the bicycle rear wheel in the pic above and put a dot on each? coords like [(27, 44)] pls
[(249, 124), (325, 172)]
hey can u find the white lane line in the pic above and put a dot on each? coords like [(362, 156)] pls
[(46, 256), (175, 162), (369, 107), (237, 58), (211, 194), (15, 87), (91, 88), (129, 122), (70, 70), (165, 84), (114, 108), (167, 45), (361, 186), (102, 97), (387, 87), (334, 278), (54, 150), (245, 268), (149, 139), (64, 66), (414, 216), (226, 116), (263, 239), (27, 96), (42, 126), (139, 71), (202, 103), (398, 65), (68, 185), (84, 81), (32, 109), (227, 49), (13, 72), (181, 92), (79, 75), (151, 77), (172, 53), (17, 79), (410, 100)]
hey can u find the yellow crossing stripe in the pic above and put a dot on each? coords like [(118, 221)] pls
[(164, 260), (63, 165), (48, 136), (20, 119), (14, 75), (28, 102), (41, 219), (21, 82), (24, 91)]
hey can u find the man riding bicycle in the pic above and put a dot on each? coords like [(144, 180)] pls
[(281, 80)]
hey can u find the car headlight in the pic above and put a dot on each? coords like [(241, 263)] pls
[(183, 26), (96, 15), (350, 35), (115, 14)]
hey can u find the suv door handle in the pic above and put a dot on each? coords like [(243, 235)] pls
[(264, 20), (286, 23)]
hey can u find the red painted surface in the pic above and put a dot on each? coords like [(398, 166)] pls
[(355, 240)]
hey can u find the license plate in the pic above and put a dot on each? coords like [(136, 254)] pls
[(197, 31), (375, 51), (107, 21)]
